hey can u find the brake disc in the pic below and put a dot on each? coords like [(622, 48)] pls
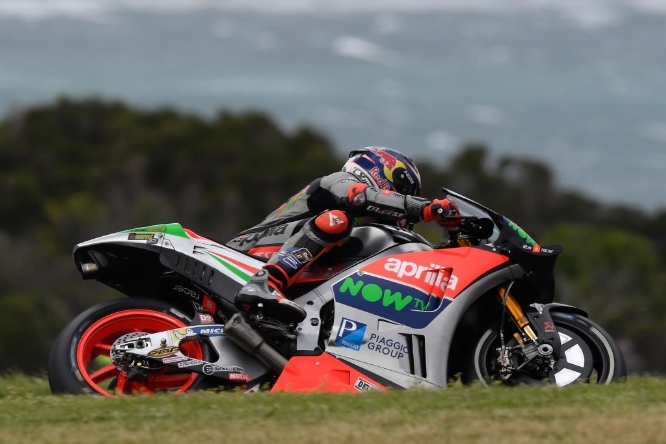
[(119, 349)]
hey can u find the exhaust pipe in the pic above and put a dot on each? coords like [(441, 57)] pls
[(252, 342), (89, 270)]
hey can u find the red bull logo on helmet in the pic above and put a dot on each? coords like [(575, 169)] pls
[(390, 164), (382, 183), (387, 160)]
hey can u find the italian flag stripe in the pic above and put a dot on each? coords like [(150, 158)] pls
[(194, 235), (238, 268)]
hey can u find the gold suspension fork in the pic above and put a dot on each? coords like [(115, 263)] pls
[(463, 243), (517, 314), (507, 299)]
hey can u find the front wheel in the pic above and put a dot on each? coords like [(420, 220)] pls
[(587, 354), (79, 362)]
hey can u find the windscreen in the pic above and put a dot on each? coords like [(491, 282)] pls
[(468, 207)]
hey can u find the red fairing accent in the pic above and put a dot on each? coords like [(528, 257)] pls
[(265, 252), (209, 304), (443, 273), (322, 373)]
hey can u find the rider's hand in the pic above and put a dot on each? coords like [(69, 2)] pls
[(439, 209)]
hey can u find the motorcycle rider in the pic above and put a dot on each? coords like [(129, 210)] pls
[(376, 184)]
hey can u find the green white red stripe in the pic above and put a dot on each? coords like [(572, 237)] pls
[(238, 268)]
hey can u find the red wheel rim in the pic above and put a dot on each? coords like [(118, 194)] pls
[(94, 347)]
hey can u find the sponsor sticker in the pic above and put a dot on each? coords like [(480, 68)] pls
[(387, 346), (239, 377), (141, 236), (350, 334), (180, 333), (431, 275), (255, 237), (174, 359), (363, 385), (388, 299), (206, 318), (385, 212), (190, 363), (295, 257), (209, 369), (186, 291), (208, 330), (209, 304), (163, 352)]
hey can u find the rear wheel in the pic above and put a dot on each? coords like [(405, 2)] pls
[(79, 362), (587, 354)]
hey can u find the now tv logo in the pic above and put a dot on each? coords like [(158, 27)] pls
[(433, 275)]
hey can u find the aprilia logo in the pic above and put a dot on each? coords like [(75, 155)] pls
[(434, 275)]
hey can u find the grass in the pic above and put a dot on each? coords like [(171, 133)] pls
[(634, 412)]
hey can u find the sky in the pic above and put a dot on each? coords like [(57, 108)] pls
[(588, 13)]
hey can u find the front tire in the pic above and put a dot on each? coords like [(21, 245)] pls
[(587, 354), (80, 364)]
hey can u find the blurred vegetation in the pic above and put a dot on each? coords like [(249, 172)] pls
[(74, 170)]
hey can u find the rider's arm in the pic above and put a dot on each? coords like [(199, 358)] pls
[(344, 191)]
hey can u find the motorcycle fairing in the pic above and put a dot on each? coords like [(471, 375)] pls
[(214, 266), (423, 361), (206, 262), (413, 288), (206, 258), (323, 373), (313, 301)]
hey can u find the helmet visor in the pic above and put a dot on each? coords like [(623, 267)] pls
[(405, 183)]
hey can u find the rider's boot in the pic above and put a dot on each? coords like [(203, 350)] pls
[(316, 237), (274, 304)]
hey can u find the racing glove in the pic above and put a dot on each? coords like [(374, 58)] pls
[(438, 210)]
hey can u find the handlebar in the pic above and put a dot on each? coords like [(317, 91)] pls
[(472, 226)]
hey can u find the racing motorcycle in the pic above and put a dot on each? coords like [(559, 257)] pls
[(388, 309)]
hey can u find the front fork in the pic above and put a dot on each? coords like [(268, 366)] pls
[(537, 337)]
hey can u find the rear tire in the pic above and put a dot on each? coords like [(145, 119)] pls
[(588, 354), (80, 364)]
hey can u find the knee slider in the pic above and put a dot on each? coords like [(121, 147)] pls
[(333, 225)]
